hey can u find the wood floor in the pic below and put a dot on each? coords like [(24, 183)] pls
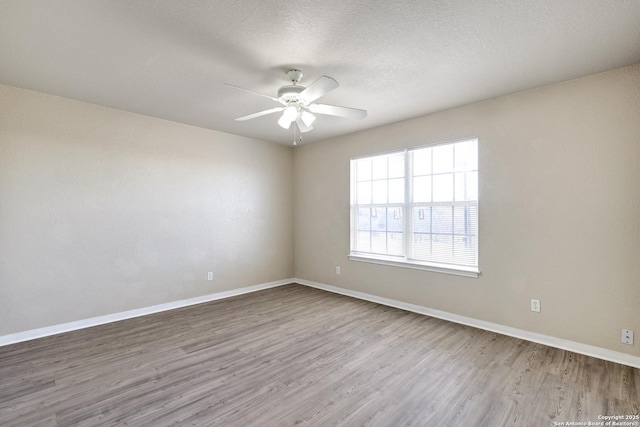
[(299, 356)]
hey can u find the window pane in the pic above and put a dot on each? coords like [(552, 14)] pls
[(364, 241), (364, 219), (442, 158), (394, 219), (464, 250), (379, 167), (421, 246), (422, 189), (472, 185), (460, 184), (396, 190), (364, 193), (379, 219), (466, 186), (363, 167), (442, 219), (379, 191), (442, 248), (465, 220), (379, 243), (421, 217), (395, 244), (466, 155), (422, 220), (396, 165), (422, 161), (443, 188)]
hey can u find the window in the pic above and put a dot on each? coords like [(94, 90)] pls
[(417, 208)]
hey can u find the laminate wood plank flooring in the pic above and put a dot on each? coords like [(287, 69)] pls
[(295, 355)]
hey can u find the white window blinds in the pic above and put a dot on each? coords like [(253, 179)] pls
[(418, 206)]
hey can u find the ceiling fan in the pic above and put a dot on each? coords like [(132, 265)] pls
[(298, 103)]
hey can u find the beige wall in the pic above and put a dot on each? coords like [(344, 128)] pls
[(103, 211), (559, 210)]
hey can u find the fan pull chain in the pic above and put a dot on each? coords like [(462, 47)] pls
[(295, 142)]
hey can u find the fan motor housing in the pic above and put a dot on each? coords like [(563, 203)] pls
[(290, 93)]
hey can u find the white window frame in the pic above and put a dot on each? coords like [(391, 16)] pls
[(403, 261)]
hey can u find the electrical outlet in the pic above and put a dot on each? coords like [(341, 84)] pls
[(210, 275), (535, 305), (627, 336), (337, 270)]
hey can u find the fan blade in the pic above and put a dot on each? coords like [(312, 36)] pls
[(319, 88), (333, 110), (303, 127), (254, 92), (260, 113)]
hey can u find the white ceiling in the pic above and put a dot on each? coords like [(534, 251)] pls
[(396, 59)]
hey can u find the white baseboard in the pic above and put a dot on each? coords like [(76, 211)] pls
[(100, 320), (587, 350)]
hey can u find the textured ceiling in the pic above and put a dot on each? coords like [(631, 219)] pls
[(396, 59)]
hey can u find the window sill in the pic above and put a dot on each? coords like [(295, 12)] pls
[(438, 268)]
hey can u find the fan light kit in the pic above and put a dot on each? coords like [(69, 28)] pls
[(298, 103)]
